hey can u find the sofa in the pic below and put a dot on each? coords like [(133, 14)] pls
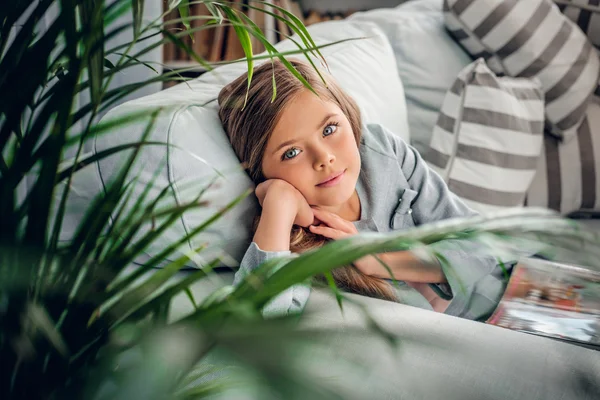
[(399, 72)]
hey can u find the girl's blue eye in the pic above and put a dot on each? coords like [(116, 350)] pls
[(291, 153), (330, 129)]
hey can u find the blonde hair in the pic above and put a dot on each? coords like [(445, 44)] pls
[(249, 128)]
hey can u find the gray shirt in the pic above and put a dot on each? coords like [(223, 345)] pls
[(397, 190)]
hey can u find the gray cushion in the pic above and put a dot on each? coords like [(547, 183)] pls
[(437, 355), (441, 356)]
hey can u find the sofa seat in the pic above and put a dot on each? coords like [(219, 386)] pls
[(437, 356)]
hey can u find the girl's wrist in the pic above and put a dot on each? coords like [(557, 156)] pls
[(273, 231), (280, 206), (369, 265)]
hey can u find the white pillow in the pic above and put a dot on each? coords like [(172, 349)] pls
[(365, 68), (428, 60), (488, 138)]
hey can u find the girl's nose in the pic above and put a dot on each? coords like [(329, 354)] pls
[(323, 159)]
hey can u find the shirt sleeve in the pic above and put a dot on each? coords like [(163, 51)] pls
[(477, 281), (291, 300)]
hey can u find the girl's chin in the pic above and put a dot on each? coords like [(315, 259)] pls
[(333, 199)]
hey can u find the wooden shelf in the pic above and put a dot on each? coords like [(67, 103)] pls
[(219, 43)]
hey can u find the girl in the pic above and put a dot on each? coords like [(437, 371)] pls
[(322, 175)]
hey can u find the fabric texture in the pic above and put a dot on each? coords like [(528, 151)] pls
[(531, 39), (428, 60), (289, 301), (568, 173), (488, 138), (199, 150), (461, 359), (408, 194), (440, 357), (586, 14), (596, 97)]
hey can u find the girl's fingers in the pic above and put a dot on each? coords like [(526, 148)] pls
[(330, 219), (328, 232)]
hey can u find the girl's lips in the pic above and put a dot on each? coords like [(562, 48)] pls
[(332, 182)]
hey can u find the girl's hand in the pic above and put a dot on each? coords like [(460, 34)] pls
[(282, 195), (261, 190), (333, 226)]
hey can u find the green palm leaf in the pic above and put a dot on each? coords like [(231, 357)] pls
[(78, 304)]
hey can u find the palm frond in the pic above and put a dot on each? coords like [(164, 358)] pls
[(76, 308)]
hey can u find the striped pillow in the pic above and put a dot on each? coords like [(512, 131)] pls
[(531, 39), (586, 14), (488, 137), (568, 176), (596, 96)]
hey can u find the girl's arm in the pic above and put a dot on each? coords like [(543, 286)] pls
[(477, 280), (275, 225), (404, 266), (291, 300), (281, 208)]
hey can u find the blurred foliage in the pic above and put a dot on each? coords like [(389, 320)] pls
[(75, 322)]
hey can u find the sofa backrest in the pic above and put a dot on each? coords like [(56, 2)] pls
[(198, 146)]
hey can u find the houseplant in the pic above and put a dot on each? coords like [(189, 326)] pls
[(72, 321), (53, 292)]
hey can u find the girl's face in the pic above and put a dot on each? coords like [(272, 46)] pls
[(312, 143)]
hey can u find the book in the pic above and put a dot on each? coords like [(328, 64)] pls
[(270, 24), (552, 299), (233, 47), (296, 10), (283, 30), (202, 38), (258, 17), (169, 48), (217, 45)]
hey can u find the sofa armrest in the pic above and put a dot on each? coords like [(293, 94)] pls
[(444, 356)]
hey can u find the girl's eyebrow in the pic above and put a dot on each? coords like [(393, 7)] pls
[(286, 143), (292, 141), (324, 120)]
